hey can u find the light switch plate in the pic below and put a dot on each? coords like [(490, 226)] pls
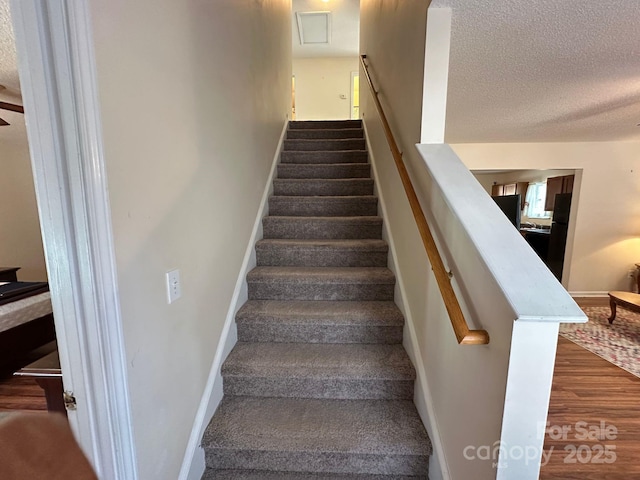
[(174, 289)]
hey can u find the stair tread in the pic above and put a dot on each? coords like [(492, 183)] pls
[(322, 227), (347, 244), (297, 312), (324, 157), (323, 186), (325, 133), (319, 361), (325, 198), (325, 129), (328, 275), (280, 475), (351, 219), (324, 170), (374, 427), (351, 151), (323, 180), (325, 123), (323, 144)]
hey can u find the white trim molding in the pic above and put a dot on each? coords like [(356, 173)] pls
[(589, 294), (193, 464), (57, 74)]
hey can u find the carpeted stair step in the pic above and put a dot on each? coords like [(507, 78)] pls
[(320, 157), (314, 435), (319, 385), (325, 170), (319, 322), (322, 227), (211, 474), (325, 144), (324, 133), (326, 124), (327, 206), (322, 253), (351, 371), (320, 283), (323, 186)]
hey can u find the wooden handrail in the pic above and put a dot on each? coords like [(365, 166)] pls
[(464, 335)]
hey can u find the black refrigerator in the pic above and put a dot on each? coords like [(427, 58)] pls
[(558, 236)]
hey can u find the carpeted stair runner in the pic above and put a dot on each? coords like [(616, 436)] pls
[(319, 385)]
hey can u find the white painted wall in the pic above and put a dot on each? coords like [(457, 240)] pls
[(20, 239), (193, 96), (320, 85), (607, 224)]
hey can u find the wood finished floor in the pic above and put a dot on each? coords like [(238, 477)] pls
[(20, 393), (587, 388)]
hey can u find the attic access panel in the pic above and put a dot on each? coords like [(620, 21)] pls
[(314, 28)]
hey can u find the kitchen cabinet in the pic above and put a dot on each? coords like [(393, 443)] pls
[(509, 189), (555, 186)]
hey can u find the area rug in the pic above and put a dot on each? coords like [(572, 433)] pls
[(618, 343)]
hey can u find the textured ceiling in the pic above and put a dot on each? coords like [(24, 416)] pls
[(520, 70), (345, 28), (16, 131), (544, 70), (8, 65)]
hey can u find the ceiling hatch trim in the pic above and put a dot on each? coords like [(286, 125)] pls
[(314, 27)]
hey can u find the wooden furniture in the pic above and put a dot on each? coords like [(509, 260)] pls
[(25, 325), (8, 274), (638, 275), (628, 300), (556, 185), (46, 372)]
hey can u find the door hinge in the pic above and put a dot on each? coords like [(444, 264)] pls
[(69, 401)]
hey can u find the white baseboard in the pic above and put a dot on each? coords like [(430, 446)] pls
[(193, 464), (438, 469), (588, 294)]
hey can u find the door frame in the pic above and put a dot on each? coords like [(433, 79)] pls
[(354, 74), (56, 59)]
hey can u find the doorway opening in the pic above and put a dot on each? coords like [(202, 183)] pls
[(28, 333), (325, 64), (355, 95), (547, 202)]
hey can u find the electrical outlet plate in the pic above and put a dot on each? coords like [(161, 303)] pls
[(174, 289)]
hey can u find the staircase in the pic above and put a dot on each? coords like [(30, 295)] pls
[(319, 385)]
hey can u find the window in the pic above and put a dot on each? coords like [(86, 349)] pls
[(534, 203)]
